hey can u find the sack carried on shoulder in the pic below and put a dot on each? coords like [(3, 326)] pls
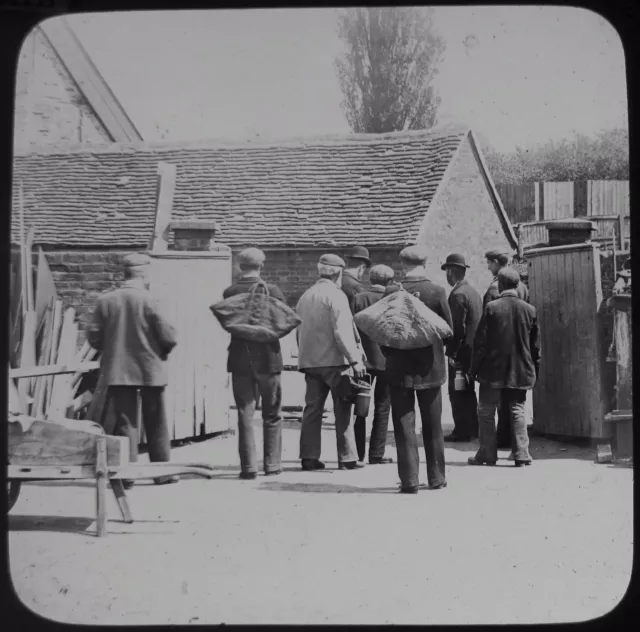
[(255, 315), (402, 321)]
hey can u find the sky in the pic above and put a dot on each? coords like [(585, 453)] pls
[(531, 74)]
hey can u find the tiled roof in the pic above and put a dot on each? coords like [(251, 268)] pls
[(370, 189)]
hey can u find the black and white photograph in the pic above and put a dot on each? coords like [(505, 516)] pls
[(321, 316)]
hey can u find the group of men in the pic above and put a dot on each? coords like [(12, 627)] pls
[(494, 342)]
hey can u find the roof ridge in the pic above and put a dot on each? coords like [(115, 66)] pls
[(326, 140)]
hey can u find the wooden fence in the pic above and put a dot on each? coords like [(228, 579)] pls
[(539, 201), (536, 233)]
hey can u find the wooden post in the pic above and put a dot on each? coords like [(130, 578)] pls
[(621, 230), (166, 189), (101, 486), (121, 499)]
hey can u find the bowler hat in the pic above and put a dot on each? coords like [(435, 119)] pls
[(332, 260), (454, 259), (251, 257), (359, 252), (136, 259)]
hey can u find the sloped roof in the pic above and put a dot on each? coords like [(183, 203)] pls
[(366, 188), (89, 81)]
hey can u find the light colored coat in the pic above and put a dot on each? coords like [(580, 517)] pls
[(327, 336)]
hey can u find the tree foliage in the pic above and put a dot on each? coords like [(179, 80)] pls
[(391, 56), (604, 156)]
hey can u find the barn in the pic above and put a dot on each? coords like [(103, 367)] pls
[(91, 205)]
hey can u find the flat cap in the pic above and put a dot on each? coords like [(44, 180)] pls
[(414, 254), (136, 260), (497, 255), (251, 257), (332, 260), (381, 273)]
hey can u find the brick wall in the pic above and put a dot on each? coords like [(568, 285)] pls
[(294, 271), (49, 107)]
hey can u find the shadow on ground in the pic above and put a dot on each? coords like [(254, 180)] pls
[(325, 488)]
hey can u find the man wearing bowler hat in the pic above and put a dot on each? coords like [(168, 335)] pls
[(497, 260), (134, 339), (357, 263), (328, 349), (466, 310), (256, 369)]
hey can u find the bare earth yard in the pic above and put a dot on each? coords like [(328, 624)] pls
[(547, 543)]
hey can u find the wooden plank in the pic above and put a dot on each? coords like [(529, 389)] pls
[(166, 189), (62, 383), (51, 443), (16, 404), (31, 303), (101, 487), (55, 341), (64, 356), (28, 353), (56, 369)]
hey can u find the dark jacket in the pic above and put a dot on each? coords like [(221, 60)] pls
[(375, 358), (506, 348), (427, 363), (246, 356), (351, 286), (133, 336), (493, 292), (465, 304)]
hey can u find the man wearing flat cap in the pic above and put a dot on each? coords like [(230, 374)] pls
[(380, 277), (496, 261), (419, 374), (466, 310), (328, 349), (134, 339), (256, 369), (356, 265)]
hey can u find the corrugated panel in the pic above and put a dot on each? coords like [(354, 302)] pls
[(532, 234), (565, 289)]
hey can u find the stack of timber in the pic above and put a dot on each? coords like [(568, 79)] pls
[(46, 366)]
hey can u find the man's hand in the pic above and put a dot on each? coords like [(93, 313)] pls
[(359, 369)]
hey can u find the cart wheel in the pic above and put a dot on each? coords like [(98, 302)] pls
[(13, 491)]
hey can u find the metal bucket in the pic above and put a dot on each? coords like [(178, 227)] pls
[(363, 396)]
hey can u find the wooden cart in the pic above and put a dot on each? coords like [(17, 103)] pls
[(68, 449)]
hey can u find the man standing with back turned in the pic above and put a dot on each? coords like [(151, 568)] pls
[(357, 263), (466, 310), (134, 339), (327, 350), (419, 374), (380, 276), (496, 261), (256, 367), (506, 362)]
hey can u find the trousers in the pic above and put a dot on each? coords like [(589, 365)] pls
[(320, 382), (123, 401), (245, 392), (513, 400), (464, 407), (404, 428), (381, 412), (504, 433)]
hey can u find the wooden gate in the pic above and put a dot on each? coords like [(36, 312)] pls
[(565, 288), (197, 395)]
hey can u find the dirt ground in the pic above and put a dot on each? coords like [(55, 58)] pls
[(547, 543)]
